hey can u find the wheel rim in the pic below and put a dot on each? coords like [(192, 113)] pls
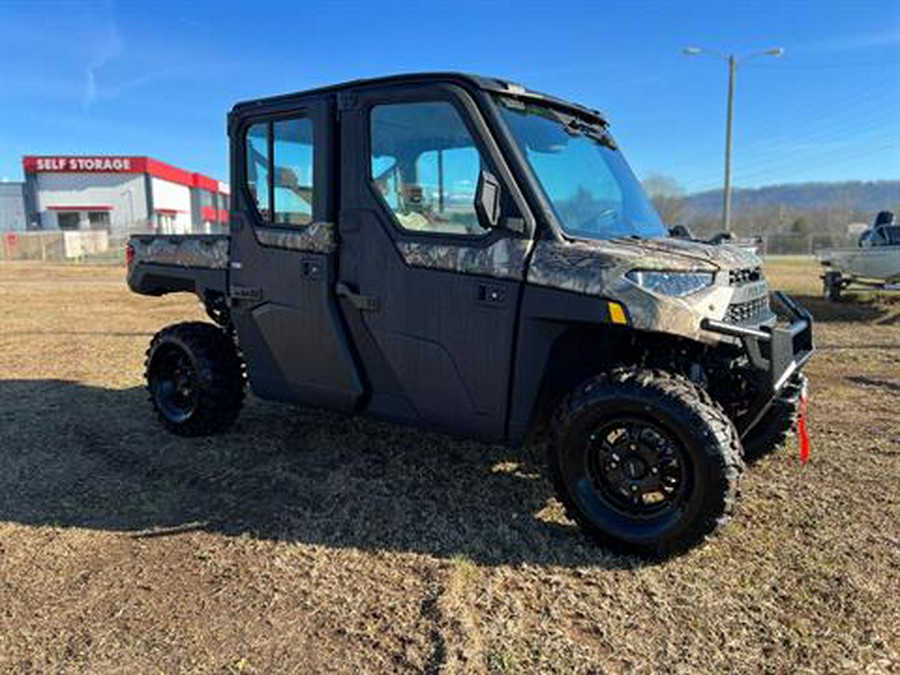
[(173, 382), (636, 468)]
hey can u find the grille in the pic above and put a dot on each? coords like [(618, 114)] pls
[(745, 312), (744, 276)]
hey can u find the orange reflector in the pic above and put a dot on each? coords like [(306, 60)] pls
[(616, 313)]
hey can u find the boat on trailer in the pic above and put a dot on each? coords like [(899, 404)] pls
[(874, 263)]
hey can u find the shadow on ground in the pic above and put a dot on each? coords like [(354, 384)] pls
[(852, 307), (888, 386), (85, 456)]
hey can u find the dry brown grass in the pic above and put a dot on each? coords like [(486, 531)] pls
[(306, 542)]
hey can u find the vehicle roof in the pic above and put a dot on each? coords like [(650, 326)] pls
[(486, 83)]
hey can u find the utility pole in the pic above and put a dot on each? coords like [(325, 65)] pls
[(726, 205), (732, 69)]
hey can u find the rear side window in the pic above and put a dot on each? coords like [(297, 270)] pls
[(280, 170), (258, 167)]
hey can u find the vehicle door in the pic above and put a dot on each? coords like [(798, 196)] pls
[(283, 256), (434, 237)]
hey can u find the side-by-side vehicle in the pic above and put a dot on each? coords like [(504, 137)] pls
[(467, 255)]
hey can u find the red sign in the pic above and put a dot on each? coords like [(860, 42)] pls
[(86, 164), (114, 164)]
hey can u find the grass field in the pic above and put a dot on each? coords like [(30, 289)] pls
[(305, 542)]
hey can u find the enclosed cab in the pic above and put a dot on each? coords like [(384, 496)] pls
[(466, 255)]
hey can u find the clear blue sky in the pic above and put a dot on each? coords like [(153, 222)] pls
[(157, 78)]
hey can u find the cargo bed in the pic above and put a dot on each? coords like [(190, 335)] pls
[(193, 263)]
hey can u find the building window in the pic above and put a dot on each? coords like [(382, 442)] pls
[(68, 220), (165, 223), (425, 165), (99, 220)]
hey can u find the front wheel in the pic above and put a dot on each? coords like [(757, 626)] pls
[(645, 461), (195, 378)]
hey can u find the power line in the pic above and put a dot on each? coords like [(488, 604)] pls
[(862, 115), (825, 66), (763, 155)]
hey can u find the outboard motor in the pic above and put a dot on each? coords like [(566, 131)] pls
[(883, 218)]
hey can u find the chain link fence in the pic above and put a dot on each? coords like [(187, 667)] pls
[(803, 244), (94, 246)]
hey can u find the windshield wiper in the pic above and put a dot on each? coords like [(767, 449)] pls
[(578, 128)]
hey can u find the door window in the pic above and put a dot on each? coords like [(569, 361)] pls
[(425, 165), (293, 172), (279, 169), (258, 167)]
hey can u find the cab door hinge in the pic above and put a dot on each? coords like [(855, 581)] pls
[(346, 100)]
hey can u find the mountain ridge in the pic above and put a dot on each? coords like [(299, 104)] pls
[(860, 196)]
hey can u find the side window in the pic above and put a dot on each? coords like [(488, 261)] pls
[(281, 182), (293, 172), (425, 164), (258, 166)]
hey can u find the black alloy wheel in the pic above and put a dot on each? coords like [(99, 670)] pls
[(636, 467), (196, 378), (173, 384), (645, 461)]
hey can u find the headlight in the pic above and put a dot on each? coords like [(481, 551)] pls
[(675, 284)]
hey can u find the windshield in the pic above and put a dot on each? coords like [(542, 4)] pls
[(592, 190)]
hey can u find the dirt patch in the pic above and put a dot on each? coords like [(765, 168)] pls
[(307, 542)]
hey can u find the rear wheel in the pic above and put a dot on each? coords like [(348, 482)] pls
[(645, 461), (195, 378), (778, 423)]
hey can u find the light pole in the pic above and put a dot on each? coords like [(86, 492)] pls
[(130, 194), (733, 62)]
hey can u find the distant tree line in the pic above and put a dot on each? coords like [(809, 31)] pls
[(790, 217)]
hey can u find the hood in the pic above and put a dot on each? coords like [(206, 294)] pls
[(673, 254)]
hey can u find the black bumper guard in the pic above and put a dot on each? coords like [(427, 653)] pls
[(775, 352)]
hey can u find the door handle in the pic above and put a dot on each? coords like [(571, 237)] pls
[(491, 295), (364, 303)]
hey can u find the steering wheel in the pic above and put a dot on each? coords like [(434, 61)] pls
[(596, 220)]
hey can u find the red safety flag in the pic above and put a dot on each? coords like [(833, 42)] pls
[(802, 431)]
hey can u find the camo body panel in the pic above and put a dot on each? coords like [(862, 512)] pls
[(313, 238), (599, 269), (504, 259), (206, 252)]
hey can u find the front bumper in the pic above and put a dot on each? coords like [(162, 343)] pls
[(775, 352)]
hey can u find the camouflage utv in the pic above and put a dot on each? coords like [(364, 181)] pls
[(464, 254)]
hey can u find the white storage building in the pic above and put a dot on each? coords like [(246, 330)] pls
[(120, 194)]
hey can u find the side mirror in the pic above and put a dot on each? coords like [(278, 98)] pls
[(680, 232), (487, 199)]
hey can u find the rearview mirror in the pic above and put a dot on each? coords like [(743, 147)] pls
[(487, 199)]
